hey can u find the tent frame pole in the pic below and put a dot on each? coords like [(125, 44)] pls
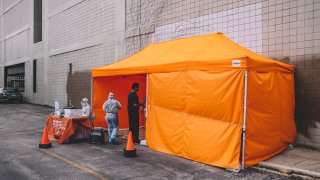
[(244, 117), (91, 93), (146, 103)]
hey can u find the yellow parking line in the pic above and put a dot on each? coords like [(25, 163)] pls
[(72, 163)]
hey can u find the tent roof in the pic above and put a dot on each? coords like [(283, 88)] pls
[(205, 52)]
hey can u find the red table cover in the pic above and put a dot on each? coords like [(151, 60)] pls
[(61, 129)]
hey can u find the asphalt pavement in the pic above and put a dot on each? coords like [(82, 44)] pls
[(21, 127)]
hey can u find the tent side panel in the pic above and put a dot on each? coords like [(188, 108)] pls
[(270, 115), (197, 115), (120, 86)]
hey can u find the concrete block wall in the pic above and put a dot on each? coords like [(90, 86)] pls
[(16, 31), (274, 28), (1, 26), (84, 34), (28, 91), (17, 47), (86, 20), (17, 38), (1, 44), (76, 85), (1, 77), (8, 3), (16, 17), (38, 50), (53, 4), (1, 59), (39, 95)]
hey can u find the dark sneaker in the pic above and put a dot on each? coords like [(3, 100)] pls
[(136, 141), (113, 140)]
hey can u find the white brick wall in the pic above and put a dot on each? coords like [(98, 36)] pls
[(82, 62), (38, 97), (82, 33), (15, 31), (17, 47), (1, 77), (1, 60), (1, 6), (28, 93), (7, 3), (86, 20), (176, 19), (1, 28), (1, 41), (241, 24), (53, 4), (17, 17), (38, 50)]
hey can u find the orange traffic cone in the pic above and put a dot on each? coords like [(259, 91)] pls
[(45, 140), (130, 151)]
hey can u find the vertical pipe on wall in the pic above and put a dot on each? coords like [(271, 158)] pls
[(244, 118)]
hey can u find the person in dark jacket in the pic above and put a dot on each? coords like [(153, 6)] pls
[(133, 112)]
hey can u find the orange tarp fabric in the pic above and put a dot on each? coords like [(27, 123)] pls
[(120, 86), (196, 115), (270, 115), (205, 52), (61, 129)]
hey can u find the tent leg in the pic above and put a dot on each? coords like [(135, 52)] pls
[(91, 92), (144, 142), (244, 118), (146, 97)]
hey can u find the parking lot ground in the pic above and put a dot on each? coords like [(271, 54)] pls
[(21, 128)]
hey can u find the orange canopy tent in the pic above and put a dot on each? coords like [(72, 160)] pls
[(210, 99)]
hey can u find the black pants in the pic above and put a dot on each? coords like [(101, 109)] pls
[(134, 125)]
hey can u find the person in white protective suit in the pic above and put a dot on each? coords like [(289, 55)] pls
[(112, 107), (86, 109)]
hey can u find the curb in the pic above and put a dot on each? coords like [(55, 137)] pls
[(289, 170)]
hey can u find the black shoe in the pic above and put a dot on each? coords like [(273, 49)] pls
[(136, 141)]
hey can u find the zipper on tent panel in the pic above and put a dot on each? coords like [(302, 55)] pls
[(244, 118)]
